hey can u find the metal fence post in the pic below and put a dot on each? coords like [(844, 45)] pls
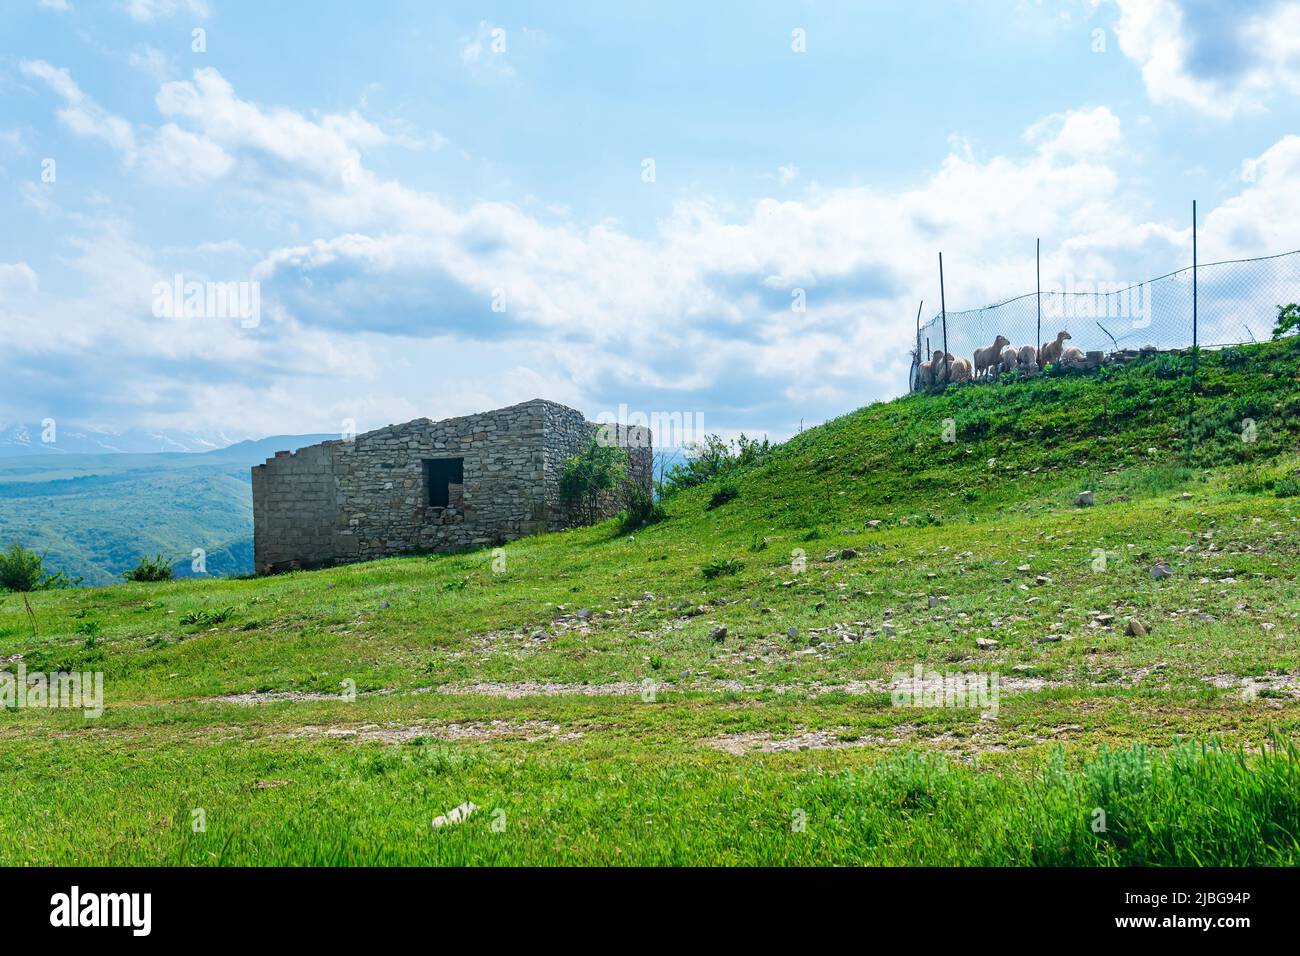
[(943, 308), (1038, 274)]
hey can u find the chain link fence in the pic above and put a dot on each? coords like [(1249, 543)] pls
[(1235, 303)]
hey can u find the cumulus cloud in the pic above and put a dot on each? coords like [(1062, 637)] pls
[(80, 113), (1219, 58), (146, 11)]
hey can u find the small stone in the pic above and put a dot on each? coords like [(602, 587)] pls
[(1042, 579), (718, 634), (847, 554), (1051, 639), (792, 633), (1160, 571), (584, 613), (1023, 568), (985, 642), (1084, 500), (873, 523), (1136, 628), (934, 601), (383, 605)]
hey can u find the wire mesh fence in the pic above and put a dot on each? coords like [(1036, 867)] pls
[(1234, 302)]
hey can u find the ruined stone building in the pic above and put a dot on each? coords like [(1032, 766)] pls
[(425, 485)]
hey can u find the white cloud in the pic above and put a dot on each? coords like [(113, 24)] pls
[(81, 114), (177, 156), (1220, 59), (62, 6), (17, 279), (1076, 133), (146, 11)]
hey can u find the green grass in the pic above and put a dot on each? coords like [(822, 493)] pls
[(588, 693)]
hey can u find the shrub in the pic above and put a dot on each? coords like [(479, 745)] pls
[(1287, 488), (721, 566), (639, 508), (207, 618), (1288, 320), (596, 469), (722, 496), (715, 458), (22, 572), (157, 568)]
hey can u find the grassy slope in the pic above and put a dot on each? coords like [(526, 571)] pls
[(640, 767)]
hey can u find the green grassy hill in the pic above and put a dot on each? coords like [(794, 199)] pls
[(721, 687)]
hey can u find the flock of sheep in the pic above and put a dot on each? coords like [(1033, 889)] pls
[(945, 368)]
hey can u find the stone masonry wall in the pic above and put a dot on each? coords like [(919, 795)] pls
[(295, 503), (364, 498)]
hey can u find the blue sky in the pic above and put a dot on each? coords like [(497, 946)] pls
[(446, 207)]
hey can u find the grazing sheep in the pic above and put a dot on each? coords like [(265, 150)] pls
[(961, 371), (924, 376), (941, 369), (987, 359), (1027, 356), (1009, 357), (1073, 358), (1051, 351), (1030, 370)]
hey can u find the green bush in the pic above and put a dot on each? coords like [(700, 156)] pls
[(597, 469), (22, 572), (639, 508), (157, 568), (721, 566), (715, 458)]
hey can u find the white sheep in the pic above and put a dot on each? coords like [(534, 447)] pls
[(940, 368), (1009, 358), (987, 359), (1027, 356), (1073, 358), (960, 371), (924, 376), (1051, 351)]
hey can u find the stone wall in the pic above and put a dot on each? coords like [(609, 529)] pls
[(368, 497)]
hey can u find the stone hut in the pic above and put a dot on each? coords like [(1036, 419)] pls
[(460, 483)]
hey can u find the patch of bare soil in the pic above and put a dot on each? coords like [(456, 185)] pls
[(269, 697), (760, 742), (1264, 686), (474, 732)]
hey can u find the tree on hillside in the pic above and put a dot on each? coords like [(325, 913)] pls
[(21, 571), (1288, 320), (595, 469)]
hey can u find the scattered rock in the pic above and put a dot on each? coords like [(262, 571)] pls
[(792, 633), (718, 634), (1023, 568), (985, 642), (873, 523), (1136, 628), (383, 605), (1084, 500), (847, 554), (583, 613), (1042, 579), (1160, 570)]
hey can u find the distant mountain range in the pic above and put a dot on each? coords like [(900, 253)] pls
[(94, 511), (95, 515)]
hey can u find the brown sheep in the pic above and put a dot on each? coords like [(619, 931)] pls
[(1009, 358), (1027, 356), (961, 371), (1051, 351), (987, 359), (940, 368)]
